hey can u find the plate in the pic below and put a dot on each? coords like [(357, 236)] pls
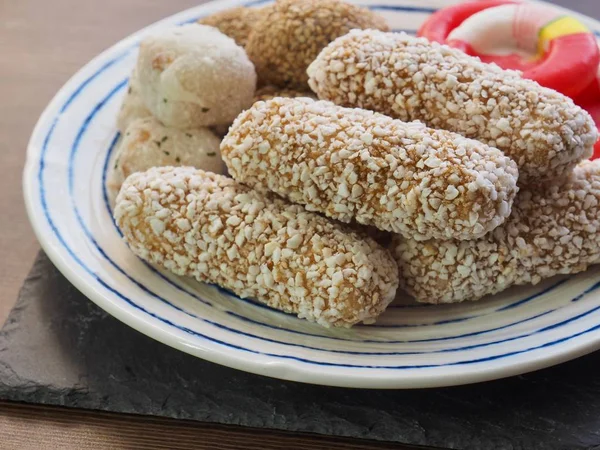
[(411, 346)]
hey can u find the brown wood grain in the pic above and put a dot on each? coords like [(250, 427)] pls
[(27, 427)]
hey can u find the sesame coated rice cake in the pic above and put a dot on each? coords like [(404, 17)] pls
[(237, 23), (268, 92), (289, 36)]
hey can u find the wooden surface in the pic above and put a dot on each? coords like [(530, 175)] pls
[(27, 427), (42, 43)]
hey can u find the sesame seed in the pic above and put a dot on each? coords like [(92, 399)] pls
[(158, 226), (294, 242), (337, 278), (183, 224), (270, 248), (268, 92)]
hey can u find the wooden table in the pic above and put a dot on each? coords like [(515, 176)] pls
[(42, 43)]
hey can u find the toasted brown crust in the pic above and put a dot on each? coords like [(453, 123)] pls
[(292, 33), (237, 23)]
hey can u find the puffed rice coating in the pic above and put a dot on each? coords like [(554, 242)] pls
[(552, 230), (268, 92), (216, 230), (356, 164), (410, 78)]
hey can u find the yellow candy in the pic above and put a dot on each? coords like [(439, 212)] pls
[(562, 26)]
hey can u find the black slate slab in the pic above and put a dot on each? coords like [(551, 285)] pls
[(59, 348)]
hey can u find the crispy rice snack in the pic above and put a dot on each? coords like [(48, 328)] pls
[(409, 78), (552, 230), (210, 227), (355, 164), (269, 92), (292, 33)]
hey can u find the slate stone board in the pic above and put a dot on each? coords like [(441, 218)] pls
[(58, 348)]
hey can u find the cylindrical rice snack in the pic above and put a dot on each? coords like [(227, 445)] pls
[(353, 164), (193, 76), (552, 230), (410, 78), (216, 230), (147, 143), (291, 34)]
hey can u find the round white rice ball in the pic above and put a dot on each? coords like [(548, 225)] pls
[(133, 106), (147, 143), (193, 76)]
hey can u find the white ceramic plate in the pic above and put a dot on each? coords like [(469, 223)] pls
[(411, 346)]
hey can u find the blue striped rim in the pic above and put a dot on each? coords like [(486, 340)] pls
[(409, 9), (72, 254), (401, 8)]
